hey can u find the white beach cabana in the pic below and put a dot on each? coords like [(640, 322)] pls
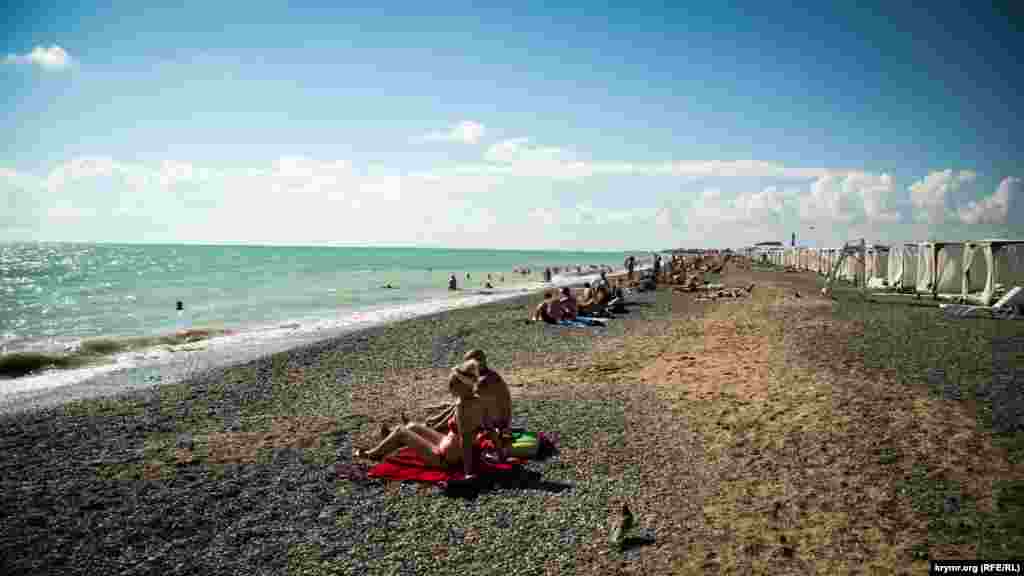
[(991, 267), (826, 261), (902, 266), (939, 269), (830, 260), (876, 263), (853, 266)]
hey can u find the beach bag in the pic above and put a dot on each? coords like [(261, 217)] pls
[(524, 445)]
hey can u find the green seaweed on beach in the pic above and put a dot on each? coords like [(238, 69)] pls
[(18, 364), (24, 363), (102, 346)]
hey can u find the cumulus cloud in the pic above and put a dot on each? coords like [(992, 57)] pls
[(467, 132), (49, 58), (994, 209), (848, 197), (931, 195), (301, 199), (754, 208)]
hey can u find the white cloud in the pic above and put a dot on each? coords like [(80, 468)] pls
[(994, 209), (931, 195), (515, 150), (467, 132), (732, 169), (519, 157), (543, 216), (753, 208), (300, 199), (845, 197), (49, 58)]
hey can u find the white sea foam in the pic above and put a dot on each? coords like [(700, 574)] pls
[(165, 364)]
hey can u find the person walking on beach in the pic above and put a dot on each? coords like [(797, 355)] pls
[(547, 274), (657, 267), (630, 264), (452, 283)]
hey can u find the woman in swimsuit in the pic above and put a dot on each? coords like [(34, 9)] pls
[(443, 449)]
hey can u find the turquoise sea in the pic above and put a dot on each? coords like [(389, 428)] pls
[(53, 295)]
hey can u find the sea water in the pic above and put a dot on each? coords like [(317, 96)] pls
[(55, 295)]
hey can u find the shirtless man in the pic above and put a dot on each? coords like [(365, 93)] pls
[(569, 305), (549, 311), (491, 387)]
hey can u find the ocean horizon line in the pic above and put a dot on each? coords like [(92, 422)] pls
[(364, 246)]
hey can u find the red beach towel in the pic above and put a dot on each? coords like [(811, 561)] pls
[(406, 464)]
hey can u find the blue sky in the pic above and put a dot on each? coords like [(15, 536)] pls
[(574, 126)]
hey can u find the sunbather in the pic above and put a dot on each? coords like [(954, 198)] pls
[(491, 388), (588, 292), (465, 428), (569, 305), (550, 310), (591, 303)]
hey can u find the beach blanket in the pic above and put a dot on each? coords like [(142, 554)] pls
[(581, 322), (407, 464)]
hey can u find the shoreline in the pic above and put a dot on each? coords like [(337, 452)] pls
[(136, 370)]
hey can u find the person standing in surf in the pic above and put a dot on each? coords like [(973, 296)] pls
[(182, 324)]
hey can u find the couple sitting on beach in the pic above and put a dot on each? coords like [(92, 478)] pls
[(553, 310), (479, 420), (596, 302)]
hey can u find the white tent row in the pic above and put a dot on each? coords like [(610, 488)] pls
[(991, 267), (975, 271)]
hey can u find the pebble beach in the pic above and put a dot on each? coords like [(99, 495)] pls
[(102, 484), (733, 450)]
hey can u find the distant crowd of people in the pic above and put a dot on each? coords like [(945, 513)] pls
[(547, 274), (597, 301)]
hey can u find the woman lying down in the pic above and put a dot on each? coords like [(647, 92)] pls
[(465, 433)]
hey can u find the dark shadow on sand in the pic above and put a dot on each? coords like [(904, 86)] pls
[(520, 479)]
